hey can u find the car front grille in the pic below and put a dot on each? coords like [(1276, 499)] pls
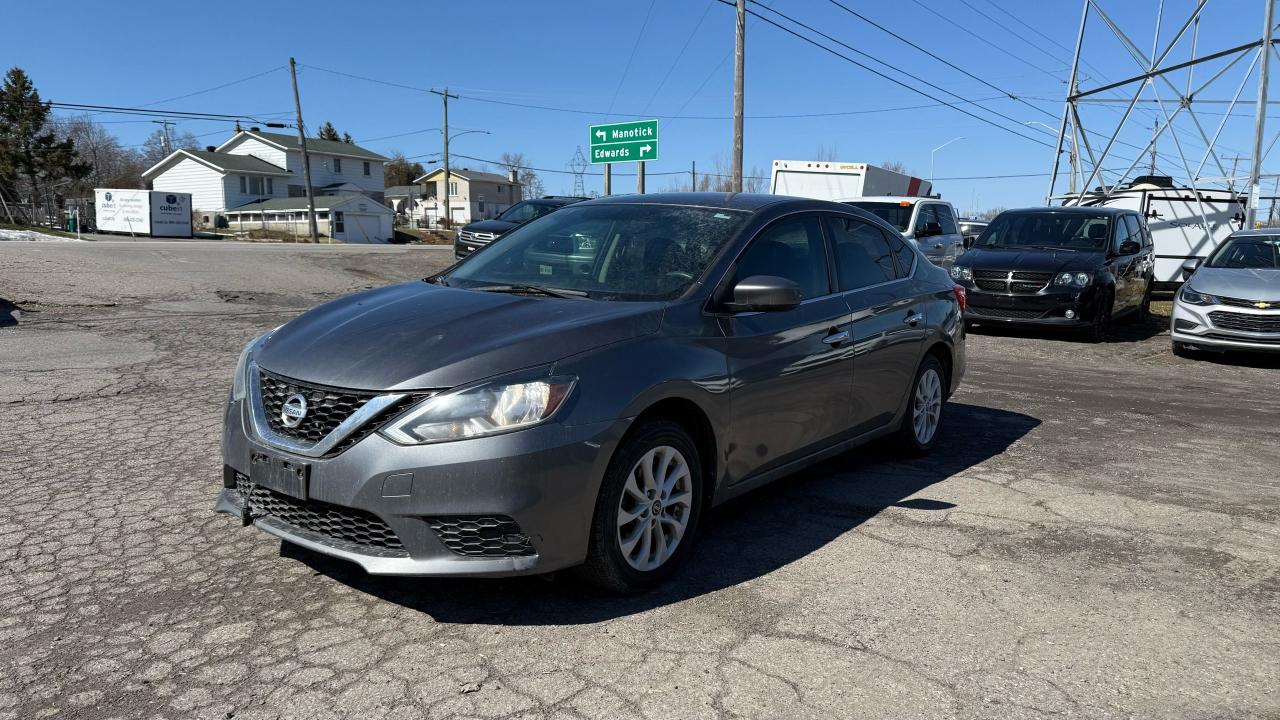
[(1016, 281), (1240, 302), (1011, 313), (327, 407), (475, 237), (332, 522), (1236, 338), (1269, 323), (481, 535)]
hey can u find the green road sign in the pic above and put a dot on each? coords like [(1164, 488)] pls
[(624, 142)]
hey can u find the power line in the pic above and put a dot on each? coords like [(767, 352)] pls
[(255, 76), (1002, 26), (630, 58), (662, 83), (986, 41), (893, 80)]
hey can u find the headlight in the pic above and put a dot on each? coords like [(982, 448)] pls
[(1191, 297), (1072, 279), (962, 273), (238, 381), (487, 409)]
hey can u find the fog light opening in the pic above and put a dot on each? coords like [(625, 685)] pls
[(1071, 314)]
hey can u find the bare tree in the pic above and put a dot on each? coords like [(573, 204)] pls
[(530, 184), (112, 165), (895, 166), (827, 153), (756, 181), (153, 148), (990, 213), (400, 171)]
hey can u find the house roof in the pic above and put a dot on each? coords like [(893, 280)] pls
[(468, 175), (323, 202), (402, 190), (221, 162), (286, 141)]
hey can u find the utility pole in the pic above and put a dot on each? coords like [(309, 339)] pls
[(640, 177), (739, 61), (1255, 190), (608, 179), (168, 142), (445, 97), (1155, 128), (693, 176), (306, 159)]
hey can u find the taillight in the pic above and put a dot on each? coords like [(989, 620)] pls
[(958, 291)]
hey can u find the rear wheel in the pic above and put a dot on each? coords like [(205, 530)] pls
[(1144, 310), (1101, 325), (647, 511), (920, 424)]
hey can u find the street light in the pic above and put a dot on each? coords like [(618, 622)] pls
[(931, 154)]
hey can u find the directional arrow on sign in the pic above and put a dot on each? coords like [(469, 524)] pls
[(600, 134), (645, 148)]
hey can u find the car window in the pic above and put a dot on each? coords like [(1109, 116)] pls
[(897, 214), (902, 252), (1124, 231), (523, 212), (790, 248), (862, 254), (946, 219), (1135, 229), (926, 215)]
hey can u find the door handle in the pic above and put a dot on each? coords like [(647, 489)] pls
[(837, 337), (938, 245), (912, 319)]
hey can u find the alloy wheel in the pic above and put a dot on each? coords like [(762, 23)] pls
[(926, 407), (655, 508)]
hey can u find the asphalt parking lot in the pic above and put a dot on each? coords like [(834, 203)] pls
[(1095, 536)]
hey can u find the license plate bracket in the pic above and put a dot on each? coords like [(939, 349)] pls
[(284, 475)]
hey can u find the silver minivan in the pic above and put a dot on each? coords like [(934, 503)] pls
[(930, 223)]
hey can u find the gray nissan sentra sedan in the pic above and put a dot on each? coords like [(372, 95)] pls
[(581, 392)]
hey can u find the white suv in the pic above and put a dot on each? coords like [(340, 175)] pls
[(930, 223)]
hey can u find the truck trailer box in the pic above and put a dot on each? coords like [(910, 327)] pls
[(143, 212), (830, 180)]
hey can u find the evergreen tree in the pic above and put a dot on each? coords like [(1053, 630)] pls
[(328, 132), (28, 147)]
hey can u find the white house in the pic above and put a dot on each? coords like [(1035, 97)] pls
[(218, 181), (333, 162), (473, 195), (350, 218)]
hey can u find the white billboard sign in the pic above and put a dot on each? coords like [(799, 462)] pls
[(170, 214), (124, 211)]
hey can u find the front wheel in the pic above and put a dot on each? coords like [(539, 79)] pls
[(1101, 325), (647, 511), (1144, 310), (920, 424)]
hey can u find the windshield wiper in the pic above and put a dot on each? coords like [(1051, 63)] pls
[(549, 292)]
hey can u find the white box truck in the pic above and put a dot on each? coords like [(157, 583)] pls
[(830, 180), (143, 212), (1176, 218)]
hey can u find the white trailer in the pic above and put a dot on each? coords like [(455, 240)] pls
[(143, 212), (1176, 217), (829, 180)]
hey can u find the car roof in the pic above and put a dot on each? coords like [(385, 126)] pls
[(750, 202), (890, 199), (1257, 232), (1083, 210)]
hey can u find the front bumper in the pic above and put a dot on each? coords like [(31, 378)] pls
[(1192, 325), (1046, 308), (463, 248), (544, 479)]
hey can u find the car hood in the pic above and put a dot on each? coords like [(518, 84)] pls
[(1030, 260), (497, 227), (417, 335), (1245, 284)]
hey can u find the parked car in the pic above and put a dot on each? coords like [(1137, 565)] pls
[(970, 229), (515, 415), (930, 223), (1059, 266), (473, 236), (1232, 300)]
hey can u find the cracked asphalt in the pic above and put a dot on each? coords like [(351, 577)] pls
[(1095, 536)]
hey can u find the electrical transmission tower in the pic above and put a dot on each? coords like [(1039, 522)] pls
[(578, 164), (1171, 84)]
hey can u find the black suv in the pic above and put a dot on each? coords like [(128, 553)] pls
[(473, 236), (1059, 266)]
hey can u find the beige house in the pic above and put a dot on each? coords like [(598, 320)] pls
[(473, 195)]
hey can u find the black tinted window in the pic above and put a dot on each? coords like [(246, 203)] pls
[(945, 219), (926, 216), (902, 252), (790, 248), (862, 254)]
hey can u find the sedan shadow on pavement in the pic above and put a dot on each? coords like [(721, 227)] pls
[(740, 540)]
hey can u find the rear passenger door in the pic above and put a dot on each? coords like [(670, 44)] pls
[(934, 247), (1125, 267), (951, 235), (873, 270)]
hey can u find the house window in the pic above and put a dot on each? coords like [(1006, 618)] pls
[(271, 188), (366, 168), (337, 165), (243, 180), (480, 204), (338, 225), (453, 188), (255, 186)]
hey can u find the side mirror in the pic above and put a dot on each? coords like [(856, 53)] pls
[(765, 293), (929, 230), (1130, 247), (1189, 267)]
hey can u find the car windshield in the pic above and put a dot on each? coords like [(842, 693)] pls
[(611, 251), (523, 212), (1257, 252), (896, 214), (1047, 230)]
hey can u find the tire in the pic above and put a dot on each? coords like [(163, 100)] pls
[(928, 397), (1101, 325), (620, 566), (1143, 313), (1181, 350)]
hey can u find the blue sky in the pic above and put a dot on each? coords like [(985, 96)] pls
[(574, 56)]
